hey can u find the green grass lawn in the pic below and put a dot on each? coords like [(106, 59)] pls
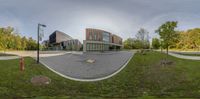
[(143, 77)]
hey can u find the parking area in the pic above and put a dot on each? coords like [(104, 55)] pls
[(76, 65)]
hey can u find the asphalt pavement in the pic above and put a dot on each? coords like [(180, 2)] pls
[(75, 65)]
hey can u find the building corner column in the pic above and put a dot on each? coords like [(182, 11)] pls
[(84, 46)]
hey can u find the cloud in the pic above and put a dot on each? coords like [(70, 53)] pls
[(122, 17), (9, 20)]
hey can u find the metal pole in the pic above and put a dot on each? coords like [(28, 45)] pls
[(38, 45)]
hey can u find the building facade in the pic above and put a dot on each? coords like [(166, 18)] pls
[(58, 37), (61, 41), (100, 40), (72, 45), (45, 44)]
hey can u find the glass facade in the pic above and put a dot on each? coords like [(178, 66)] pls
[(97, 47), (99, 40), (106, 37)]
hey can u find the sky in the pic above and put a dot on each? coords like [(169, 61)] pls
[(121, 17)]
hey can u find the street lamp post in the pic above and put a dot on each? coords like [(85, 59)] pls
[(38, 45)]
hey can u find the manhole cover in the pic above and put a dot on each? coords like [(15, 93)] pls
[(90, 60), (40, 80)]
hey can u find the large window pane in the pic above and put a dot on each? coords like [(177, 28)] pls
[(106, 37)]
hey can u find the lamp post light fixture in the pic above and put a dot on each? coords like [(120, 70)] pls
[(38, 40)]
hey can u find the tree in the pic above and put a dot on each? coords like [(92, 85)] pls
[(2, 40), (31, 44), (11, 39), (24, 43), (132, 43), (194, 35), (143, 38), (129, 43), (6, 38), (167, 33), (155, 43), (18, 43)]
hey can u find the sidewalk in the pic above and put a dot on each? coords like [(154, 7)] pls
[(34, 53), (184, 56), (8, 57)]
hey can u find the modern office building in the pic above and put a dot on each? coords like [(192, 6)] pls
[(45, 44), (72, 45), (100, 40), (61, 41)]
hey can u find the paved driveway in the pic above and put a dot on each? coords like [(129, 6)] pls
[(75, 65)]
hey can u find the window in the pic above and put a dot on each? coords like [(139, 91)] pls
[(90, 35), (106, 37), (93, 46), (95, 36), (88, 46)]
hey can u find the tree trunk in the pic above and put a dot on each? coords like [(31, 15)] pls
[(167, 49)]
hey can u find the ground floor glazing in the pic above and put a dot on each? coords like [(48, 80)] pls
[(101, 47)]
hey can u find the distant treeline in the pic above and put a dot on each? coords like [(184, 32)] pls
[(169, 38), (183, 40), (141, 40), (10, 39), (189, 39), (133, 43)]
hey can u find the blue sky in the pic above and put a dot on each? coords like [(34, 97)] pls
[(122, 17)]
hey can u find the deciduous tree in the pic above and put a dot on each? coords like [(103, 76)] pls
[(167, 33), (155, 43)]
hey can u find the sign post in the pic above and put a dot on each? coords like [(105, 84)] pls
[(40, 35)]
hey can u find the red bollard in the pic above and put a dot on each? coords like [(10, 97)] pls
[(21, 63)]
